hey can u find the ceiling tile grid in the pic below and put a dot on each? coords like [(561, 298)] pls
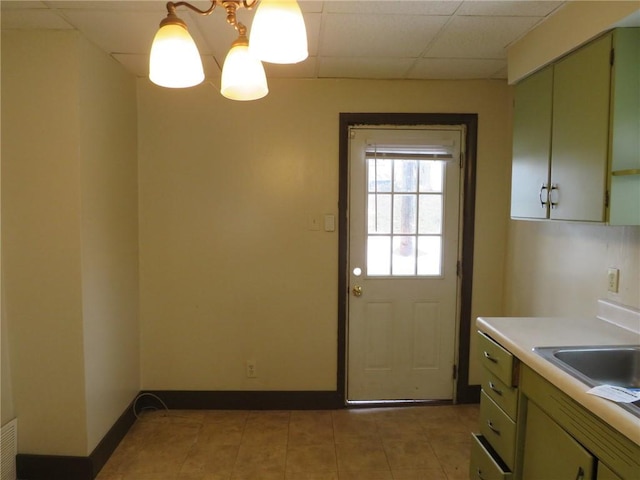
[(391, 39)]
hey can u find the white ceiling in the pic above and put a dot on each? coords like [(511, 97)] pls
[(415, 39)]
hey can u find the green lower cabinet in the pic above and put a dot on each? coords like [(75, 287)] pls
[(550, 453), (604, 473), (485, 463), (498, 429)]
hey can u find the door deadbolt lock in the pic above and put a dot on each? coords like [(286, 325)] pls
[(357, 291)]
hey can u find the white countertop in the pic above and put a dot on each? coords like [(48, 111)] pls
[(520, 335)]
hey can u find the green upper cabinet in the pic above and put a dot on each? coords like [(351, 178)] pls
[(576, 136), (531, 146), (580, 133), (625, 129)]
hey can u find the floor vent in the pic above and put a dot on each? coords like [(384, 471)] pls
[(8, 450)]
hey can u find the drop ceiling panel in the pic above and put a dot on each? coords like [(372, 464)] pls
[(33, 19), (363, 67), (525, 8), (117, 31), (306, 69), (148, 6), (454, 69), (12, 5), (479, 37), (393, 7), (351, 35)]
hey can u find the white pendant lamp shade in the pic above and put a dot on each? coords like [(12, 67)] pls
[(278, 33), (175, 61), (243, 76)]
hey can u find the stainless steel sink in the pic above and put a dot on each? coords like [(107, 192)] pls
[(598, 365)]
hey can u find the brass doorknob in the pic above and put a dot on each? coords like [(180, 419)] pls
[(357, 290)]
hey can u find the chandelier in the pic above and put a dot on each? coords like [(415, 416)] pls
[(278, 35)]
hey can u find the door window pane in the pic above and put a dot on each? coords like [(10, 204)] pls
[(431, 176), (379, 210), (405, 175), (379, 174), (379, 255), (430, 214), (404, 213), (404, 255), (430, 255)]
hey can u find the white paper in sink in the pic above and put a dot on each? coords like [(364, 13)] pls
[(616, 394)]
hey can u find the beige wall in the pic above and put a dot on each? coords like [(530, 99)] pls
[(109, 231), (68, 239), (560, 269), (229, 270)]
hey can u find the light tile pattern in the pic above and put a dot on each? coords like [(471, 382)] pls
[(404, 443), (389, 39)]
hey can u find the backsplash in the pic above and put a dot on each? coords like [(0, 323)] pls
[(622, 315)]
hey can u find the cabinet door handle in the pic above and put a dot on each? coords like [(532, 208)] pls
[(488, 356), (492, 428), (580, 475), (493, 387), (543, 204), (554, 187)]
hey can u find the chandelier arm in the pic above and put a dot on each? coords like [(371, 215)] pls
[(249, 5), (240, 28), (171, 7)]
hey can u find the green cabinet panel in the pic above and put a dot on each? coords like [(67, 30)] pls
[(531, 145), (611, 448), (496, 359), (605, 473), (551, 453), (498, 429), (506, 397), (484, 465), (580, 133), (624, 206)]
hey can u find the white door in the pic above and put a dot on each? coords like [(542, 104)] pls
[(404, 225)]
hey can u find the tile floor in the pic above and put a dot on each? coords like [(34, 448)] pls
[(405, 443)]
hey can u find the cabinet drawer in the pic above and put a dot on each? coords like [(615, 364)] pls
[(484, 465), (498, 429), (497, 360), (506, 397)]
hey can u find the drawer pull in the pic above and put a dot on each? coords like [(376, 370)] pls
[(580, 475), (493, 387), (480, 477), (488, 356), (492, 428)]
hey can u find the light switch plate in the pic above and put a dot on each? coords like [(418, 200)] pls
[(613, 277), (329, 223)]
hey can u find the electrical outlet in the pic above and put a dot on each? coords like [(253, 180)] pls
[(613, 277), (251, 369)]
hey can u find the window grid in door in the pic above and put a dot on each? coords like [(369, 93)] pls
[(404, 216)]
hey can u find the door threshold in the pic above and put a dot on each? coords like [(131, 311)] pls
[(395, 403)]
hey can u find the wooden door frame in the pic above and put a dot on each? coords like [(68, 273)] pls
[(465, 393)]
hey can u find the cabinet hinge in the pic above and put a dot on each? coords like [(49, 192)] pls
[(606, 199), (459, 268), (455, 372), (461, 159), (612, 56)]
